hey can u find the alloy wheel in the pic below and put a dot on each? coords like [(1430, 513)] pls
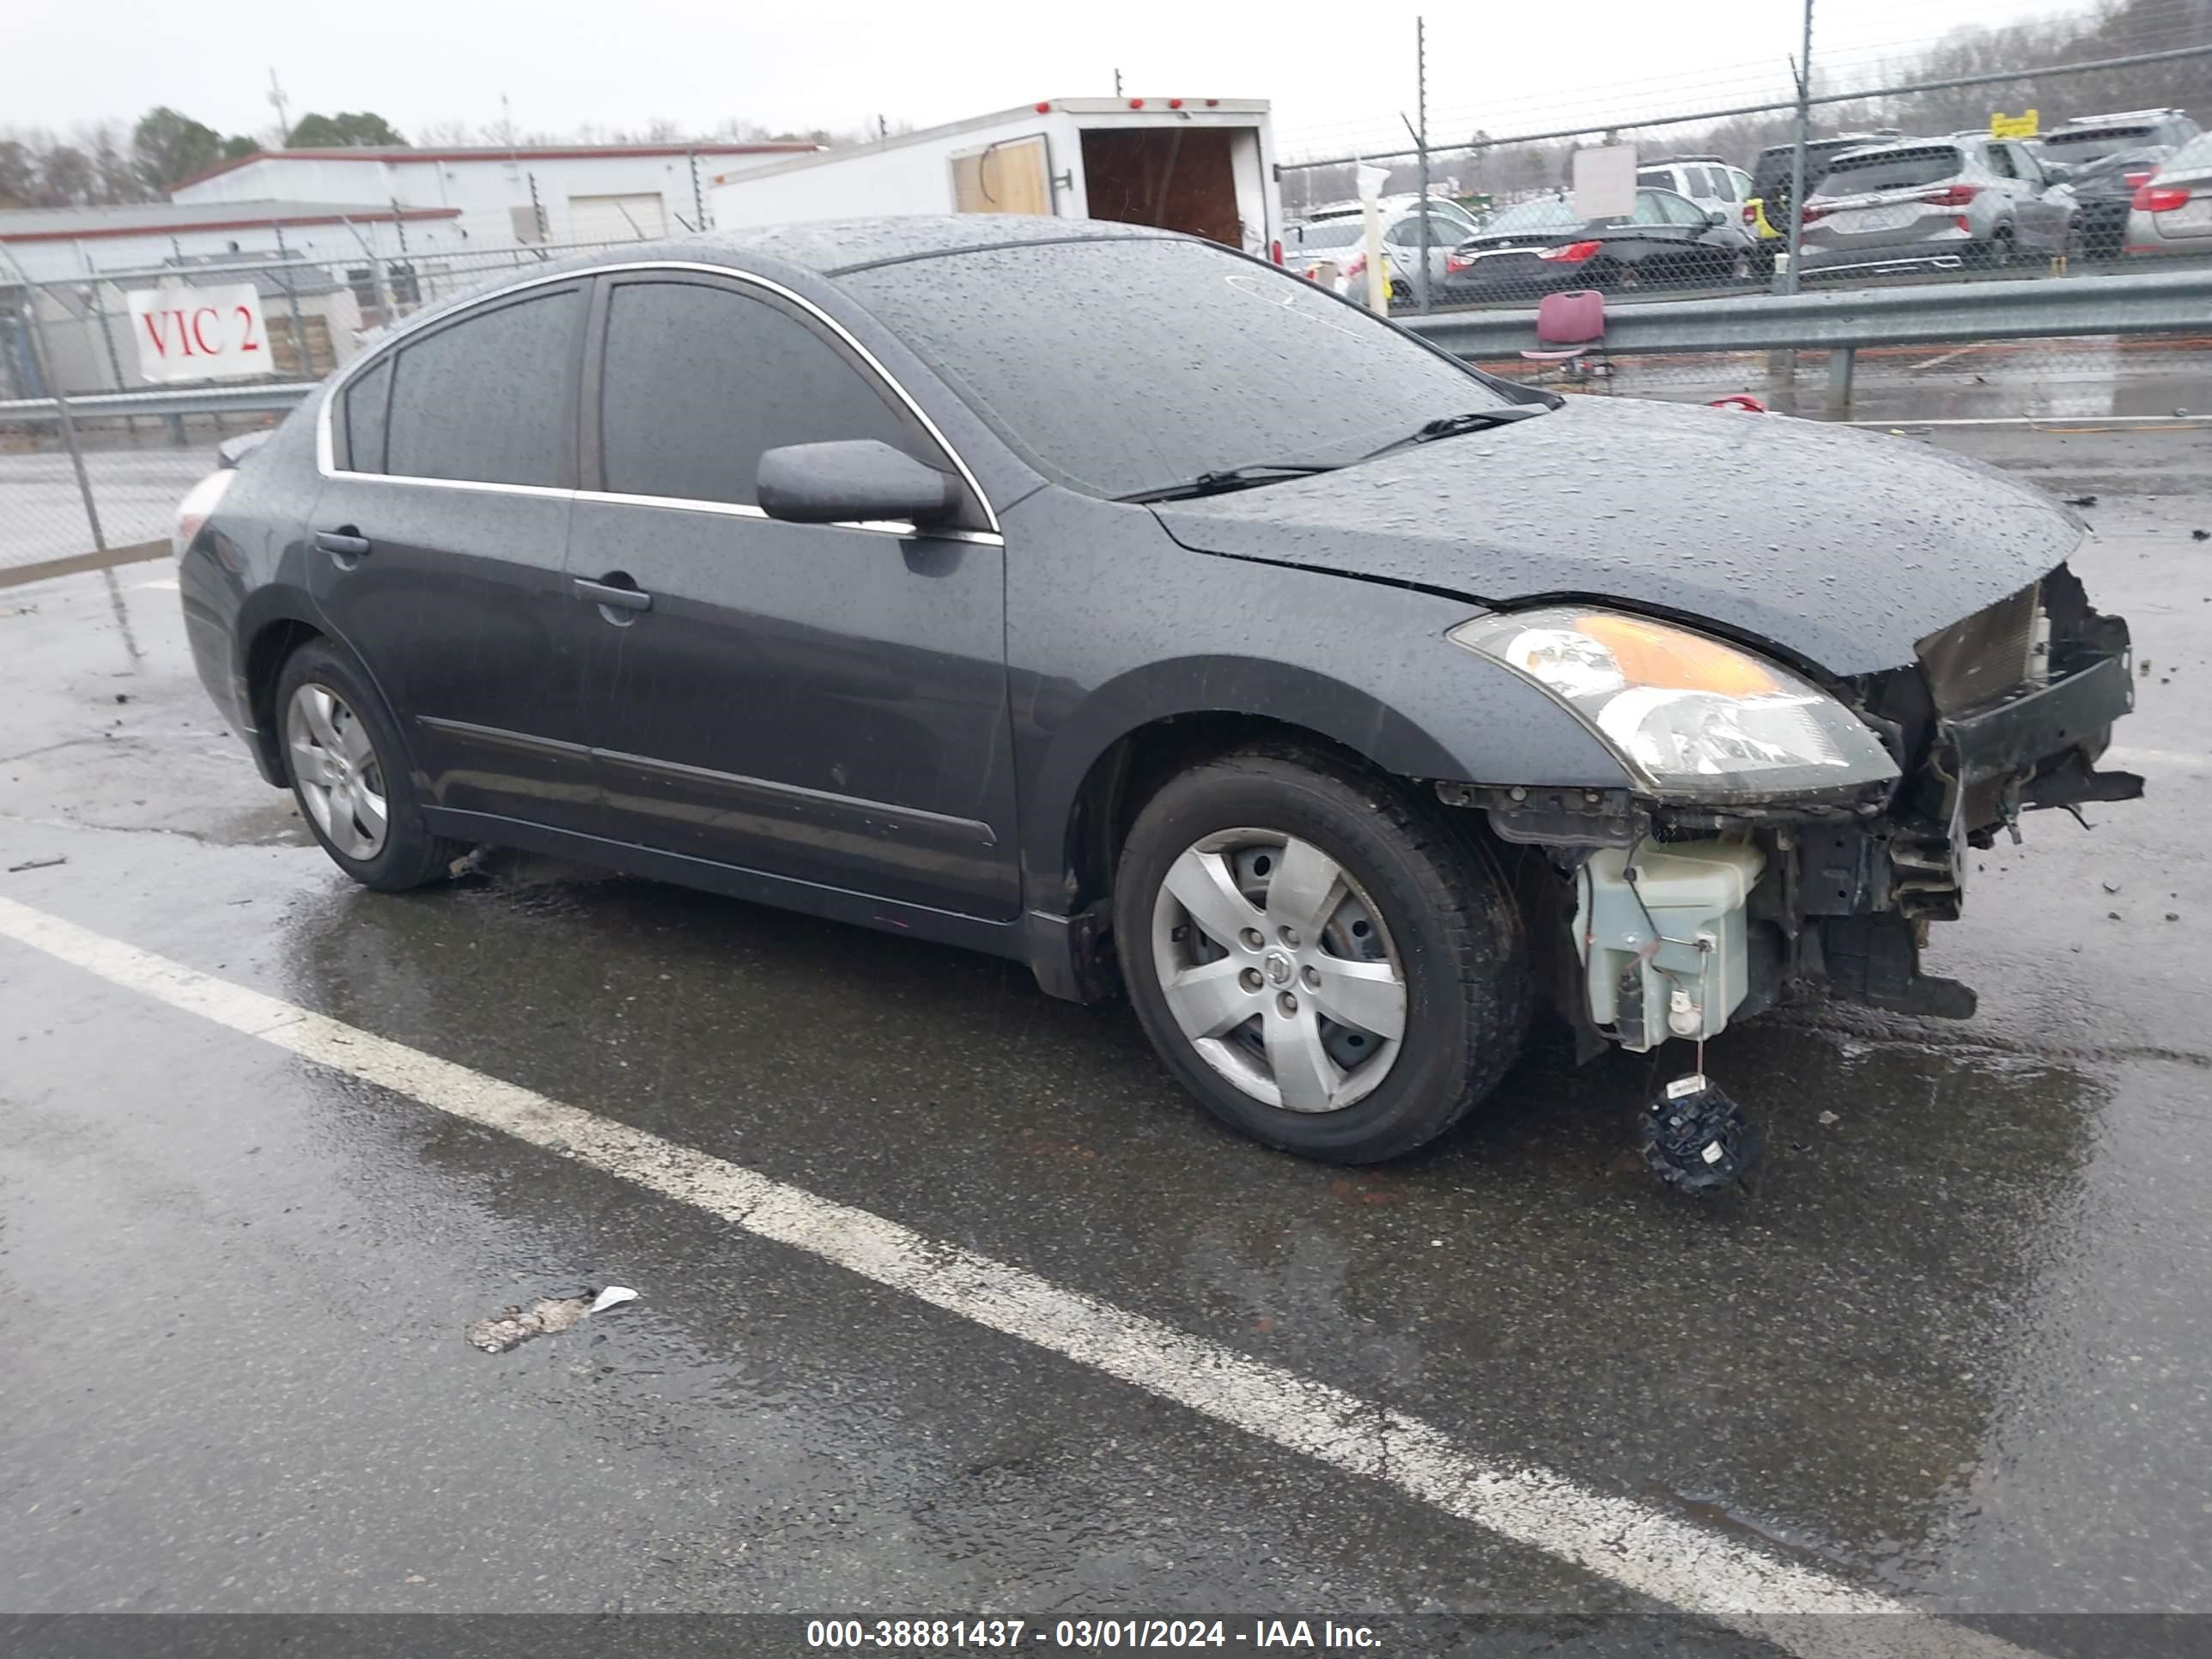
[(335, 766), (1277, 969)]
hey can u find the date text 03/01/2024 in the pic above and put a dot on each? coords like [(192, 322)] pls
[(925, 1635)]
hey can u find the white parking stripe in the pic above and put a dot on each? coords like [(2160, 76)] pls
[(1645, 1550)]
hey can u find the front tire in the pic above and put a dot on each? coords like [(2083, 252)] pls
[(349, 773), (1318, 956)]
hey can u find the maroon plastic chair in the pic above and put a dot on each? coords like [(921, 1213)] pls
[(1568, 327)]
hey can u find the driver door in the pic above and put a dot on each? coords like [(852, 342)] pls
[(822, 702)]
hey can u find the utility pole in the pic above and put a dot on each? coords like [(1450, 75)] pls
[(1797, 231), (283, 120), (1421, 143)]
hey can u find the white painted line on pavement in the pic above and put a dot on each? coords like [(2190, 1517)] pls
[(1642, 1549)]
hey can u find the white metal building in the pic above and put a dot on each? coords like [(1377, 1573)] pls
[(57, 243), (502, 197)]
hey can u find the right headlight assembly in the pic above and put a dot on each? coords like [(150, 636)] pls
[(1688, 715)]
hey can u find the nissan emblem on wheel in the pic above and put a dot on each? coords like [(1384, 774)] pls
[(1347, 708)]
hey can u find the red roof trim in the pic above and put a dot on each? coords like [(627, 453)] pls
[(579, 153), (405, 215)]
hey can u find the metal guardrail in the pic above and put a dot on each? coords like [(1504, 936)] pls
[(2051, 307), (1840, 321), (161, 400)]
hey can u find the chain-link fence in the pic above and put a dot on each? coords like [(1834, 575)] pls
[(2095, 357), (77, 337), (2064, 147)]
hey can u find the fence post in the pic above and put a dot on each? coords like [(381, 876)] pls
[(35, 331), (1421, 143), (1797, 228), (304, 370), (1842, 360)]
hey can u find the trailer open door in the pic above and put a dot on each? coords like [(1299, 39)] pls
[(1176, 178), (1013, 176)]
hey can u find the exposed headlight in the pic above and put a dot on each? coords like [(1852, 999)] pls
[(1687, 714)]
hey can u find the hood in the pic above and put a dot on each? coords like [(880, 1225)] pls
[(1839, 547)]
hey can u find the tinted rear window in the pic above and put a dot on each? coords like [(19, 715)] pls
[(485, 399), (1896, 169), (1770, 171), (2197, 153), (1337, 233), (1187, 360), (365, 396), (2075, 145), (1552, 213)]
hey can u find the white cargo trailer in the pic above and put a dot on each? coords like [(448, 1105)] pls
[(1202, 165)]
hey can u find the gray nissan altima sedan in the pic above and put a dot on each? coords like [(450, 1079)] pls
[(1105, 599)]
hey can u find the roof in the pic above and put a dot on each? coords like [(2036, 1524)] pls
[(836, 246), (73, 224), (401, 153)]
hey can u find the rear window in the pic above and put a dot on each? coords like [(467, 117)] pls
[(1892, 170), (2075, 145), (1336, 233), (1553, 213), (2197, 153), (1771, 172), (483, 400)]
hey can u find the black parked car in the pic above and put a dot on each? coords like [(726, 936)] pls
[(1543, 247), (1118, 604)]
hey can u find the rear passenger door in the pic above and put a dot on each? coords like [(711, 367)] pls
[(824, 703), (441, 537)]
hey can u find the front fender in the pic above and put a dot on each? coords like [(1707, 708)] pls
[(1361, 665)]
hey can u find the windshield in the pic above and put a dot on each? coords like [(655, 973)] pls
[(1124, 365), (2074, 145), (1552, 213), (1903, 169)]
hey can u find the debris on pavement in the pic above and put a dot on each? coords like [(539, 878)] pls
[(1697, 1140), (2081, 500), (38, 864), (1830, 1117), (510, 1327), (2200, 535)]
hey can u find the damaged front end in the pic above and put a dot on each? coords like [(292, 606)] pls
[(1666, 914)]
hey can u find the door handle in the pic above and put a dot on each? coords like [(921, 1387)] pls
[(342, 544), (609, 595)]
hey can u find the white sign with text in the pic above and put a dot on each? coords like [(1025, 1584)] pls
[(1605, 182), (199, 333)]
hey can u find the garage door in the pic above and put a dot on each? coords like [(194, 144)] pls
[(617, 218)]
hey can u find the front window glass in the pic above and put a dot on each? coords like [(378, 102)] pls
[(1187, 360)]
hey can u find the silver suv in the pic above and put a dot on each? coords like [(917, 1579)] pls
[(1708, 181), (1946, 202)]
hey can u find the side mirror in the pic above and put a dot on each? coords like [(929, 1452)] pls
[(2057, 172), (857, 479), (1716, 217)]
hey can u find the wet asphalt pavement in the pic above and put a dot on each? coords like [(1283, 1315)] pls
[(1956, 1348)]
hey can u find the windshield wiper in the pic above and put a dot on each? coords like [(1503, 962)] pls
[(1450, 425), (1234, 477)]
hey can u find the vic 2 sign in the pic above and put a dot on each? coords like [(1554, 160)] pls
[(199, 333)]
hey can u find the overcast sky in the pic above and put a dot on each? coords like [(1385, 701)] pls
[(1338, 73)]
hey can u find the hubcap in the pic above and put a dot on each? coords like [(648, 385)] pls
[(1277, 969), (334, 765)]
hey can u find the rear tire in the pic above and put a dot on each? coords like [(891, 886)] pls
[(1996, 253), (347, 767), (1424, 904)]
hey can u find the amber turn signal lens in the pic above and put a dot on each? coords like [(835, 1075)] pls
[(1651, 654)]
